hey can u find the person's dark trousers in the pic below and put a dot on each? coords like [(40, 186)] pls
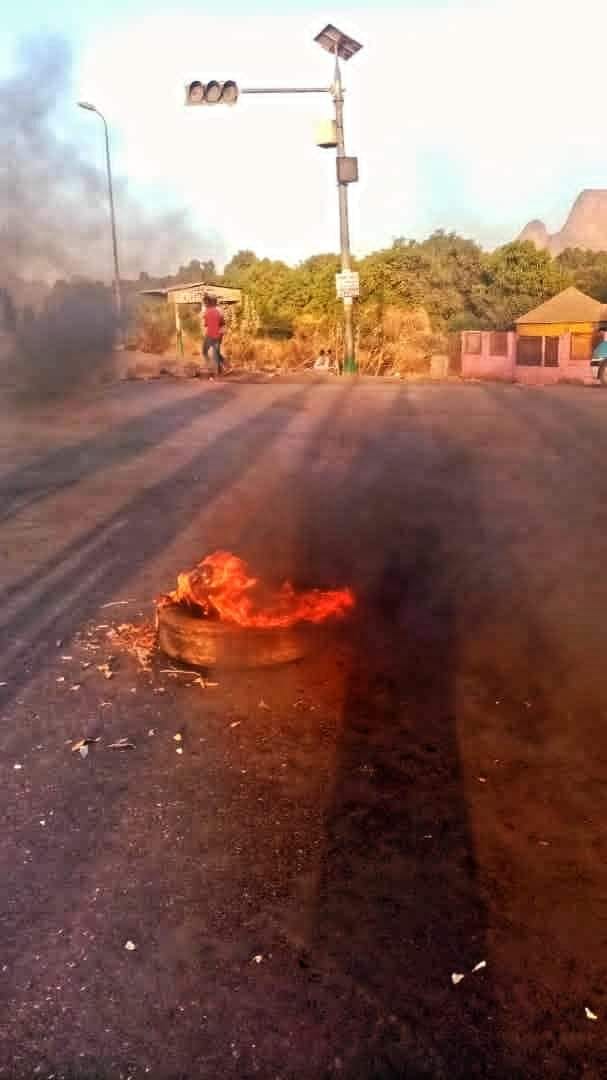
[(214, 344)]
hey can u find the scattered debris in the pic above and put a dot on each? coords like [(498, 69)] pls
[(199, 680), (179, 749), (178, 737), (130, 946), (480, 966), (589, 1014), (118, 603), (263, 705), (122, 744), (82, 744), (457, 977), (139, 641), (43, 822)]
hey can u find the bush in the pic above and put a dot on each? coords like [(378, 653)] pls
[(395, 341), (154, 326)]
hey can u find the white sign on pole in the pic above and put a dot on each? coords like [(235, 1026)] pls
[(347, 284)]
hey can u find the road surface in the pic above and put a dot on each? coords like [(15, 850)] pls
[(425, 795)]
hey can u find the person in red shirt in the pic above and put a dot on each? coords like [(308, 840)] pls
[(214, 325)]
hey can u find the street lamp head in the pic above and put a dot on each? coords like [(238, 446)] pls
[(334, 41), (87, 105)]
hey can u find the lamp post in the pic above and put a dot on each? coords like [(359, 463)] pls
[(117, 292)]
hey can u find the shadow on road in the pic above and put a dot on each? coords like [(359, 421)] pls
[(27, 485)]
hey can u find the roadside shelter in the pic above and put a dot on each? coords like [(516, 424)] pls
[(178, 295)]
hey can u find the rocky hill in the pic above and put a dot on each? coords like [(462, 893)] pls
[(585, 227)]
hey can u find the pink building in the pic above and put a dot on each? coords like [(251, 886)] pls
[(553, 343)]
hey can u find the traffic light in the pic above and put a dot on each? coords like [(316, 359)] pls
[(211, 93)]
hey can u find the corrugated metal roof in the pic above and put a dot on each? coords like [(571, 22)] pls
[(220, 291), (569, 306)]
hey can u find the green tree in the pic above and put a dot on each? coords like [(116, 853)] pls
[(514, 279), (587, 270), (238, 265)]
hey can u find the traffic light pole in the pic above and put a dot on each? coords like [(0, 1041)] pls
[(350, 366), (198, 93), (284, 90)]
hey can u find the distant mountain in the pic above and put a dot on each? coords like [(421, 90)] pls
[(586, 226)]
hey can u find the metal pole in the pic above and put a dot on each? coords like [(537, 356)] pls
[(284, 90), (344, 225), (117, 291)]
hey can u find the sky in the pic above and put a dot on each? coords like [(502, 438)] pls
[(467, 115)]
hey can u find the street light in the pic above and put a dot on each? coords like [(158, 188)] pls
[(340, 45), (117, 293)]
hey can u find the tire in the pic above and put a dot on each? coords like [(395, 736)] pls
[(205, 643), (603, 374)]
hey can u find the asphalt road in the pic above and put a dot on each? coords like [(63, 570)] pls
[(424, 794)]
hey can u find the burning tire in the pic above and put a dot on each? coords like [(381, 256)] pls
[(213, 643)]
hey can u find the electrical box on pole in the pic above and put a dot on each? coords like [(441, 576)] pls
[(326, 134), (347, 170)]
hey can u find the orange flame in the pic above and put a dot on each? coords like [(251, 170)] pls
[(221, 585)]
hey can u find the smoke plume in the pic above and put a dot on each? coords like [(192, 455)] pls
[(54, 202), (55, 247)]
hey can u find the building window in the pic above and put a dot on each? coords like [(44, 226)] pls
[(551, 352), (473, 342), (529, 351), (581, 348), (498, 343)]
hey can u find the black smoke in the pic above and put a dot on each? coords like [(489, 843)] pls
[(54, 225)]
